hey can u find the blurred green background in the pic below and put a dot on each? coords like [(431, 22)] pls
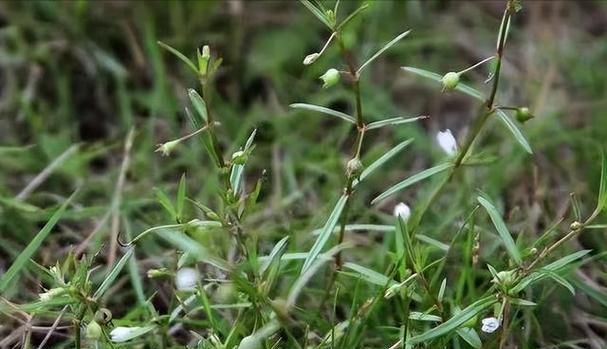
[(76, 76)]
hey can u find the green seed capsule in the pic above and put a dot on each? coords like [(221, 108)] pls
[(93, 330), (450, 81), (330, 78), (523, 114)]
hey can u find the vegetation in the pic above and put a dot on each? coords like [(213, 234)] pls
[(365, 178)]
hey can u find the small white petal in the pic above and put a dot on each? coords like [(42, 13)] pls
[(490, 324), (446, 141), (402, 210), (122, 334), (186, 279)]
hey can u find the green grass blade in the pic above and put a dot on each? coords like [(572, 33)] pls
[(382, 50), (24, 257), (181, 196), (113, 274), (351, 16), (411, 180), (324, 110), (324, 235), (383, 159), (502, 230), (455, 322), (516, 132)]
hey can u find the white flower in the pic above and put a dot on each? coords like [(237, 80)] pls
[(446, 141), (402, 210), (123, 334), (186, 279), (490, 324)]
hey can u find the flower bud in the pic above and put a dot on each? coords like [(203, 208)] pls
[(203, 59), (167, 148), (505, 278), (523, 114), (446, 141), (122, 334), (250, 342), (239, 158), (576, 226), (330, 77), (450, 81), (93, 330), (311, 58), (186, 279), (354, 168), (402, 210)]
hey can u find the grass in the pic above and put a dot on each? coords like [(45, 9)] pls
[(286, 213)]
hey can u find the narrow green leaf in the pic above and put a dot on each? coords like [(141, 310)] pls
[(412, 180), (382, 50), (416, 315), (316, 12), (516, 132), (393, 121), (554, 266), (113, 274), (383, 159), (324, 110), (276, 253), (25, 255), (455, 322), (602, 200), (470, 336), (351, 16), (324, 235), (179, 55), (165, 202), (559, 279), (193, 247), (441, 291), (502, 230), (181, 196), (370, 275), (198, 104), (198, 122), (522, 302), (438, 78)]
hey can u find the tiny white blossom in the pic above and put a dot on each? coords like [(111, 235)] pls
[(490, 324), (446, 141), (402, 210), (186, 279), (123, 334)]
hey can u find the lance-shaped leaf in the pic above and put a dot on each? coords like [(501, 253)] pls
[(324, 235), (382, 50), (455, 322), (393, 121), (502, 230), (179, 55), (602, 201), (412, 180), (113, 274), (324, 110), (516, 132), (382, 160)]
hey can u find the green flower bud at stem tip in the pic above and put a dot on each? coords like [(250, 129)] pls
[(167, 148), (239, 158), (523, 114), (450, 81), (330, 78), (93, 330)]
